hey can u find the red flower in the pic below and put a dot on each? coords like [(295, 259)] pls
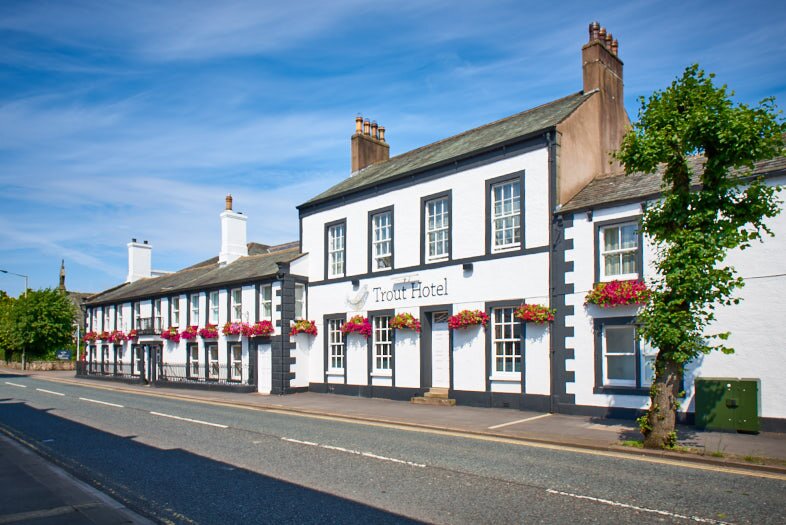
[(618, 293), (190, 333), (535, 313), (303, 326), (467, 318), (210, 331), (357, 325), (263, 328), (405, 321), (171, 334)]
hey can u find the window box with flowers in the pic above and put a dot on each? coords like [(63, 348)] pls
[(89, 337), (117, 337), (535, 313), (262, 329), (468, 318), (210, 331), (103, 336), (357, 324), (618, 293), (237, 328), (190, 333), (303, 326), (132, 335), (405, 321), (171, 334)]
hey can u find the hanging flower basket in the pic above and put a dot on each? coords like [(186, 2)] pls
[(117, 336), (89, 337), (190, 333), (303, 326), (405, 321), (132, 334), (535, 313), (236, 329), (357, 325), (210, 331), (103, 336), (262, 329), (467, 318), (171, 334), (618, 293)]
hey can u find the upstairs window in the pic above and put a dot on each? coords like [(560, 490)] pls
[(300, 301), (137, 315), (236, 305), (619, 247), (174, 309), (506, 216), (336, 244), (194, 310), (157, 319), (106, 318), (382, 241), (437, 228), (266, 302), (212, 308), (119, 317)]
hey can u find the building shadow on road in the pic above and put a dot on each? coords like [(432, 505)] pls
[(175, 485)]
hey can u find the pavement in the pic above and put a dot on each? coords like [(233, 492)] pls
[(37, 492), (766, 450)]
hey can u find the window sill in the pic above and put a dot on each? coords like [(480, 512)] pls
[(622, 390), (504, 249), (438, 260), (382, 373), (621, 277), (514, 377), (335, 373)]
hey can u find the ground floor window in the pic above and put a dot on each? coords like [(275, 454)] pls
[(193, 360), (236, 362), (212, 361), (383, 343), (506, 340), (335, 344), (139, 361), (621, 358)]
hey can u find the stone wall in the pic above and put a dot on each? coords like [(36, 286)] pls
[(41, 366)]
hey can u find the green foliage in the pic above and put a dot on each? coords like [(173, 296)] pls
[(40, 322), (700, 218)]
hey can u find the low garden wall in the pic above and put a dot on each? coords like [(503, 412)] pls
[(42, 366)]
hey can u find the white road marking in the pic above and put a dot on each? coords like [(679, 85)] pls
[(696, 519), (189, 420), (50, 392), (519, 421), (15, 384), (355, 452), (101, 402)]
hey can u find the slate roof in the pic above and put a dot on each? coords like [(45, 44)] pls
[(207, 274), (622, 188), (475, 140)]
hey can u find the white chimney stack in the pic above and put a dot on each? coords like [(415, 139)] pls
[(233, 235), (140, 261)]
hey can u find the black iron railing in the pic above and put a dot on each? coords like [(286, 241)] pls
[(232, 374)]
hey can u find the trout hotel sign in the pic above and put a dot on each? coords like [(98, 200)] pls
[(410, 290)]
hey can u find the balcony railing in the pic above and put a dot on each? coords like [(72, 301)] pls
[(148, 325)]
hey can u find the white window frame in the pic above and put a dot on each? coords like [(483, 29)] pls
[(383, 344), (106, 318), (174, 309), (632, 354), (119, 317), (336, 346), (193, 305), (138, 314), (508, 221), (505, 346), (618, 252), (193, 360), (236, 305), (212, 307), (158, 320), (300, 301), (337, 250), (266, 302), (382, 241), (213, 367), (236, 362), (437, 229)]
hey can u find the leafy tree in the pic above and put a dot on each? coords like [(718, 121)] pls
[(42, 320), (7, 341), (693, 227)]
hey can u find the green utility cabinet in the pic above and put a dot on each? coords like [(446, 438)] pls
[(727, 404)]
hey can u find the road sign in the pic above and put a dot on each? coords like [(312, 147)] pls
[(64, 355)]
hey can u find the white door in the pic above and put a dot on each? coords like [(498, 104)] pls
[(440, 350), (265, 375)]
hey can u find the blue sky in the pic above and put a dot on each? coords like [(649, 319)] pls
[(135, 119)]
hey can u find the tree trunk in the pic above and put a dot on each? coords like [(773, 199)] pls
[(660, 427)]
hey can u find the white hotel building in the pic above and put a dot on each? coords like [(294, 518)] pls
[(527, 209)]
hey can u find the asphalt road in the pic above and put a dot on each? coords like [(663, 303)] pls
[(182, 462)]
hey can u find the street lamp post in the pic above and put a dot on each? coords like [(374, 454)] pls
[(26, 278)]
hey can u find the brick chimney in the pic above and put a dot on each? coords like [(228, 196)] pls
[(368, 144), (233, 235), (602, 70)]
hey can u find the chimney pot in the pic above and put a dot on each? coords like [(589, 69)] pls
[(374, 128), (382, 133), (144, 242), (602, 34), (229, 202), (615, 47), (366, 127), (609, 40), (594, 27), (133, 239), (358, 124)]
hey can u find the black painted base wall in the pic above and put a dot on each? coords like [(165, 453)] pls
[(214, 387)]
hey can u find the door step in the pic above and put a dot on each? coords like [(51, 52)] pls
[(435, 396)]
